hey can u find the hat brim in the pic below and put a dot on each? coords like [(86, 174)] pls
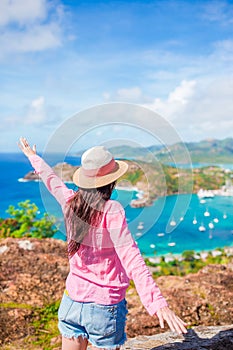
[(84, 181)]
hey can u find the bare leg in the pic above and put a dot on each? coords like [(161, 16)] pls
[(74, 343)]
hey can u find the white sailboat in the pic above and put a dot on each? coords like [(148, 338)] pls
[(216, 220), (138, 234), (160, 234), (205, 194), (140, 226), (172, 222), (202, 228), (206, 213), (194, 220), (211, 225)]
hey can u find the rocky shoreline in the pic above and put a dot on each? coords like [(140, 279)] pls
[(153, 181), (33, 274), (65, 171)]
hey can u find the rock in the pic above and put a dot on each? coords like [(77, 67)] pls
[(33, 273), (141, 202), (63, 170), (31, 176), (197, 338), (25, 244), (33, 278)]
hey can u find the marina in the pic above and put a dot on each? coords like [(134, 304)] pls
[(156, 225), (205, 226)]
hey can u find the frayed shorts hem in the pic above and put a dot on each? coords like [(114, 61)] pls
[(102, 325), (109, 347), (84, 336), (71, 336)]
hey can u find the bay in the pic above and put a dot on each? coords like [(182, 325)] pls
[(148, 225)]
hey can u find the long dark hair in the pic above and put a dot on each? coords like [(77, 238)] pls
[(85, 209)]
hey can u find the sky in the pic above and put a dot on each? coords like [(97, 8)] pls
[(59, 58)]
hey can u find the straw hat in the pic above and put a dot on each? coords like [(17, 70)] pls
[(98, 168)]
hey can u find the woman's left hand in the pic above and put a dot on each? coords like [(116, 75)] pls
[(173, 321), (25, 148)]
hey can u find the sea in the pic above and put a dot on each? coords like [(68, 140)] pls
[(158, 230)]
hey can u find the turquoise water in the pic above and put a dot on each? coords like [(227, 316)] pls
[(150, 226), (153, 238)]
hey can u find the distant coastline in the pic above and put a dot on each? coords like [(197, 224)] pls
[(145, 179), (169, 257)]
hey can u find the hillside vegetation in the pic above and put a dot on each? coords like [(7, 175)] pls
[(209, 151), (156, 180)]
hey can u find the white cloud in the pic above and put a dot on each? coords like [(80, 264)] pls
[(39, 38), (218, 11), (199, 109), (22, 12), (29, 26), (213, 103), (176, 102), (37, 112), (182, 93)]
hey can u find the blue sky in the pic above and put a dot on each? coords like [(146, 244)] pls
[(59, 58)]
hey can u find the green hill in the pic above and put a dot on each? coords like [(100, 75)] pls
[(206, 151)]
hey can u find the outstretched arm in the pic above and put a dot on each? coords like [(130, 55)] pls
[(25, 148), (148, 291), (53, 183), (136, 269)]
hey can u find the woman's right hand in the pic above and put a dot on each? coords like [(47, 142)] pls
[(173, 321), (25, 148)]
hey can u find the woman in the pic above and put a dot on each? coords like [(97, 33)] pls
[(103, 256)]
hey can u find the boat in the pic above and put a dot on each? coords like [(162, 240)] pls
[(206, 213), (194, 221), (202, 201), (202, 228), (138, 234), (181, 218), (171, 244), (205, 194), (160, 234), (140, 226), (224, 216), (211, 225), (152, 246), (216, 220), (172, 223)]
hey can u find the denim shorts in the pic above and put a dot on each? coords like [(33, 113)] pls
[(102, 325)]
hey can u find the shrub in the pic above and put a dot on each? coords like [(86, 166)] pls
[(24, 222)]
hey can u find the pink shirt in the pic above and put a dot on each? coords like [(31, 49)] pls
[(108, 256)]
